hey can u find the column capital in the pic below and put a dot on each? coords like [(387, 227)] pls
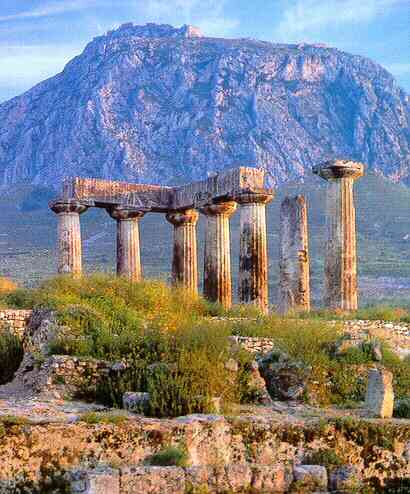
[(254, 198), (335, 169), (220, 209), (186, 217), (123, 214), (65, 207)]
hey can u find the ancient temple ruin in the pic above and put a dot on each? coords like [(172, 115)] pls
[(218, 197)]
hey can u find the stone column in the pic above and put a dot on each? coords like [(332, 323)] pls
[(253, 254), (128, 242), (217, 257), (294, 286), (340, 263), (184, 260), (69, 236)]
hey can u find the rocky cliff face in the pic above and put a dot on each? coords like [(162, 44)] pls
[(159, 104)]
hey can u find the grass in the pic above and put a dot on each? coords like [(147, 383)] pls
[(176, 352), (11, 355), (93, 418), (170, 456)]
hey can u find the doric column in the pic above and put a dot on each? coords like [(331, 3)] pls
[(69, 236), (184, 260), (294, 287), (253, 254), (217, 257), (128, 242), (340, 263)]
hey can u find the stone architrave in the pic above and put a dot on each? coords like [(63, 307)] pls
[(69, 236), (128, 242), (217, 255), (184, 261), (253, 252), (379, 393), (340, 290), (294, 283)]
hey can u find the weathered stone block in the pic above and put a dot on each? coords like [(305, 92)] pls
[(152, 480), (379, 393), (271, 478), (345, 479), (313, 476)]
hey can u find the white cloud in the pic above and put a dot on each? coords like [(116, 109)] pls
[(304, 19), (51, 8)]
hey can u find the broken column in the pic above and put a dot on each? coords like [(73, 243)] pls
[(184, 260), (253, 255), (379, 393), (128, 242), (217, 256), (340, 264), (69, 236), (294, 288)]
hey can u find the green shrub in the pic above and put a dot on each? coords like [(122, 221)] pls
[(402, 408), (11, 355), (325, 457), (171, 456), (103, 418)]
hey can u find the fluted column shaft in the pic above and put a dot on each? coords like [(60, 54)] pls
[(217, 257), (69, 236), (341, 258), (184, 260), (128, 243), (294, 283), (253, 252)]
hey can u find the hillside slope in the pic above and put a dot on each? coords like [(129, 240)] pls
[(154, 103)]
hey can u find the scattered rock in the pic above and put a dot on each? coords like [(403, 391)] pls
[(136, 402), (285, 379)]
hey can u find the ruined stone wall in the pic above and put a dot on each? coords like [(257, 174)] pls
[(16, 320)]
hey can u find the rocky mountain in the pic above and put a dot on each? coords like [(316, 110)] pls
[(159, 104)]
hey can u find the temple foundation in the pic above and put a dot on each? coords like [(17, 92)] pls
[(294, 285), (69, 236), (341, 258), (217, 257), (253, 255), (128, 242), (184, 260)]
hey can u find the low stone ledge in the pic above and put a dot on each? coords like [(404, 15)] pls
[(15, 320)]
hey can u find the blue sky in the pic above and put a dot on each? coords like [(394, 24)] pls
[(38, 37)]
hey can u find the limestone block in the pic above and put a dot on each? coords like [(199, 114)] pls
[(152, 480), (314, 476), (345, 479), (102, 480), (271, 478), (379, 393)]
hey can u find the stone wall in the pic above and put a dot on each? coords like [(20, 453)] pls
[(16, 320), (221, 451)]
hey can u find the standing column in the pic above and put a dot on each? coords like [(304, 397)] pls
[(253, 255), (128, 242), (69, 236), (184, 260), (217, 257), (340, 264), (294, 287)]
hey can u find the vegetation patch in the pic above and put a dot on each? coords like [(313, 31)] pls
[(11, 355), (170, 456)]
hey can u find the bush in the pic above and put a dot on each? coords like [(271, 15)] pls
[(7, 286), (11, 355), (171, 456), (402, 408)]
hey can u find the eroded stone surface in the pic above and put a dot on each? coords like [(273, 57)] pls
[(379, 393)]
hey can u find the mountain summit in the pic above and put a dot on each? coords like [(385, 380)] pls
[(160, 104)]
